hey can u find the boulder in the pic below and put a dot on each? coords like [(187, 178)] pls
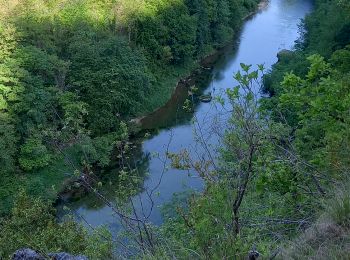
[(29, 254), (65, 256), (283, 54)]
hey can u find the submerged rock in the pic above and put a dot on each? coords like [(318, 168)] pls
[(29, 254), (205, 98)]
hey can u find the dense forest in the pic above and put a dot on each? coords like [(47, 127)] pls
[(72, 72)]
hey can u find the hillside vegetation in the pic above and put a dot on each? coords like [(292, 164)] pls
[(279, 187), (329, 236), (72, 71)]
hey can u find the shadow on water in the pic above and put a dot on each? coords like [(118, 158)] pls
[(173, 113)]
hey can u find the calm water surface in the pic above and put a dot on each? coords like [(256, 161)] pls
[(262, 37)]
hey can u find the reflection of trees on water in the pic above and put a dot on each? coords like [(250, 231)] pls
[(109, 179), (173, 113)]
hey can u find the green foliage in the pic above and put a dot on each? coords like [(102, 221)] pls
[(327, 35), (33, 155), (302, 149), (313, 99), (72, 71), (8, 150), (339, 209), (319, 104), (324, 31), (74, 112), (328, 237), (32, 224), (107, 73), (341, 59), (253, 181)]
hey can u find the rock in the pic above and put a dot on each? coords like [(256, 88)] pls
[(205, 98), (135, 123), (253, 255), (26, 254), (65, 256), (29, 254), (284, 53)]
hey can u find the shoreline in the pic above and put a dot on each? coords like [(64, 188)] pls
[(204, 63)]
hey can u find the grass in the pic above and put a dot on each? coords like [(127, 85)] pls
[(329, 237)]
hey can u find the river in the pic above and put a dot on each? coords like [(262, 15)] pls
[(274, 28)]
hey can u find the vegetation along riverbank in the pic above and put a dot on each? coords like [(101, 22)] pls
[(72, 71), (71, 74)]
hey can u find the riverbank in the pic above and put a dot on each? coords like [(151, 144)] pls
[(57, 174), (74, 188), (179, 93), (94, 73)]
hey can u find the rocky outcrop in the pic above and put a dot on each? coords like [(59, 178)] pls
[(283, 54), (29, 254), (26, 254)]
